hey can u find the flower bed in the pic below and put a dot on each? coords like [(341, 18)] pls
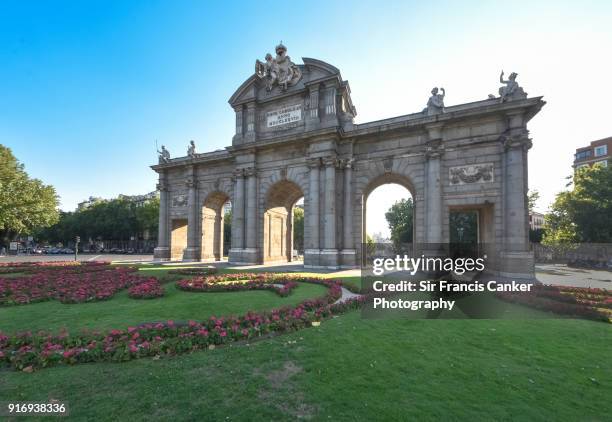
[(194, 271), (27, 350), (149, 289), (67, 284), (281, 285), (580, 302)]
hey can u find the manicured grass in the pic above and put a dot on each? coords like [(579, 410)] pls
[(355, 369), (122, 311), (349, 368)]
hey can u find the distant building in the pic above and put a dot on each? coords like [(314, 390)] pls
[(536, 220), (140, 200), (88, 203), (598, 153), (227, 207)]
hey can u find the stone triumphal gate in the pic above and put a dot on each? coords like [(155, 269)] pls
[(296, 137)]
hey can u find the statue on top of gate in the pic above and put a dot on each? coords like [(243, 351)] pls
[(279, 71)]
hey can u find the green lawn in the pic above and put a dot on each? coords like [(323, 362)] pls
[(349, 368)]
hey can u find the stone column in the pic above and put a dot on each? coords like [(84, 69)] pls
[(433, 192), (329, 255), (251, 209), (348, 247), (192, 252), (516, 260), (162, 251), (313, 224), (237, 217), (434, 198), (515, 194)]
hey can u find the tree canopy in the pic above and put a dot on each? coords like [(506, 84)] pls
[(26, 204), (583, 214), (116, 219), (400, 221)]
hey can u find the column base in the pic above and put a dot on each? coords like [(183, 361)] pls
[(517, 265), (311, 258), (161, 253), (348, 258), (239, 256), (191, 254), (329, 258)]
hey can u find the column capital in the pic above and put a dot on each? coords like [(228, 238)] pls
[(191, 183), (162, 185), (250, 172), (238, 173), (331, 161), (519, 140), (434, 150), (314, 163), (348, 163)]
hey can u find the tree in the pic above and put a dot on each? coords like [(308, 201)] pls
[(400, 221), (535, 235), (298, 229), (583, 214), (532, 198), (25, 204)]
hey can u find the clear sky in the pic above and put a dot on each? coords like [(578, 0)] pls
[(86, 87)]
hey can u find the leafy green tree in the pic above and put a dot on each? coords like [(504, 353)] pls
[(583, 214), (400, 219), (298, 229), (25, 204), (532, 198)]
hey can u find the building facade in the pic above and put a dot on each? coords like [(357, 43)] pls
[(295, 137), (597, 153)]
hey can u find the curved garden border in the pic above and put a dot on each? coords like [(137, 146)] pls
[(26, 351)]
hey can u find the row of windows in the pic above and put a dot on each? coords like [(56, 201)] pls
[(599, 151)]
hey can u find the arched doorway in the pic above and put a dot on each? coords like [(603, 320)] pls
[(388, 215), (215, 239), (278, 232)]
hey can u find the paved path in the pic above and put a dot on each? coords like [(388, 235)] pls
[(578, 277)]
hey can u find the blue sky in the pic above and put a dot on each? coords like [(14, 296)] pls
[(86, 87)]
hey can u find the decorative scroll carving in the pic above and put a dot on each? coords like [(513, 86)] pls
[(477, 173)]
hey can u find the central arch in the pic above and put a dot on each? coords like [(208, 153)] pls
[(278, 221), (385, 179)]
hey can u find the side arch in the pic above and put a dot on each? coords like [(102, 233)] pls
[(213, 217)]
